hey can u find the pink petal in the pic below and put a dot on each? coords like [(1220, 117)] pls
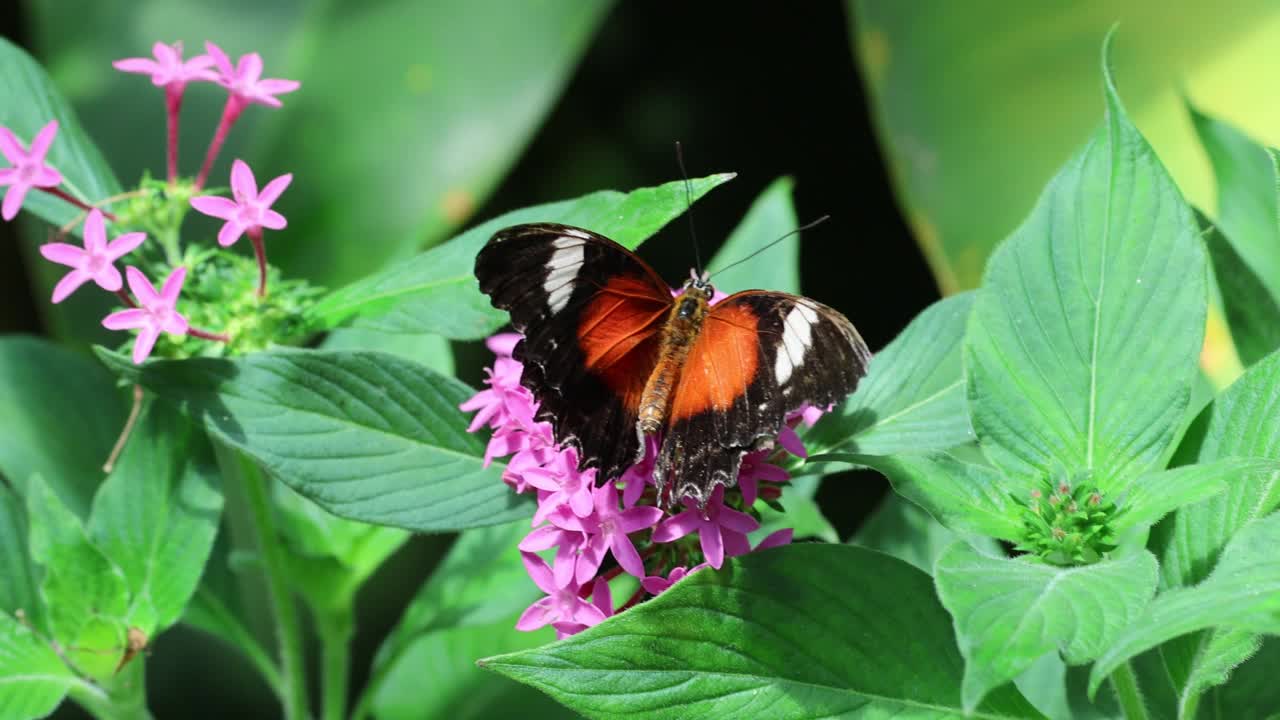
[(591, 558), (771, 473), (655, 585), (677, 526), (539, 572), (176, 324), (790, 441), (266, 100), (750, 489), (11, 147), (638, 518), (503, 344), (586, 613), (565, 566), (277, 86), (95, 232), (166, 54), (68, 284), (273, 220), (272, 191), (624, 551), (62, 253), (173, 285), (581, 501), (541, 539), (47, 177), (249, 68), (216, 206), (144, 343), (124, 245), (126, 319), (13, 198), (8, 176), (142, 66), (737, 521), (712, 545), (220, 59), (141, 287), (43, 139), (108, 278), (776, 539), (536, 615), (198, 63), (229, 233), (243, 185), (735, 544), (602, 597)]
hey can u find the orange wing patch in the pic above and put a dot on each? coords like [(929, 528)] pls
[(618, 335), (721, 363)]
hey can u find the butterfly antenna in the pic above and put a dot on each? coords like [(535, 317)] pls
[(800, 229), (688, 203)]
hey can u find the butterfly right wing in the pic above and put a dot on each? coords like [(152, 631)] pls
[(591, 313)]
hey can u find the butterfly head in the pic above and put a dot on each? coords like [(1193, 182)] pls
[(699, 283)]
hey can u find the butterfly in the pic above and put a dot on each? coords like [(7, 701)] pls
[(613, 358)]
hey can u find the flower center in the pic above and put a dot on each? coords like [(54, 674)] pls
[(608, 526), (95, 264), (250, 215), (27, 172)]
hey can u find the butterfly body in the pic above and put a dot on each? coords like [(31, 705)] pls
[(613, 358)]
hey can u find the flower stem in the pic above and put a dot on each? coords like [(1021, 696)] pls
[(206, 335), (230, 113), (123, 697), (172, 107), (60, 193), (335, 629), (260, 252), (1125, 684), (126, 431), (293, 681), (124, 298)]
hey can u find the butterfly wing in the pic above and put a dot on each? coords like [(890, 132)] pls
[(591, 313), (759, 356)]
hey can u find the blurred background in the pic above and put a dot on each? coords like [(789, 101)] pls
[(925, 129)]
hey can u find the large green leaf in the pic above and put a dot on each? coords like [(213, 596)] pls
[(86, 595), (424, 348), (912, 399), (367, 436), (1252, 314), (18, 586), (1153, 496), (772, 215), (1242, 592), (1248, 202), (47, 429), (33, 679), (778, 634), (437, 291), (1010, 612), (1083, 345), (969, 148), (902, 529), (157, 514), (456, 89)]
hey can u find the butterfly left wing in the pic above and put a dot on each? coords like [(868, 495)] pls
[(759, 356)]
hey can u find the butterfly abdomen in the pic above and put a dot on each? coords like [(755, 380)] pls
[(684, 322)]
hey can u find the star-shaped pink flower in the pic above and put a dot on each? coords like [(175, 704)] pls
[(95, 261), (28, 167), (722, 532), (563, 607), (156, 314), (245, 79), (168, 68), (250, 210), (754, 468), (563, 485), (566, 542), (608, 529)]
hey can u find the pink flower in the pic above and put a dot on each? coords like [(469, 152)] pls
[(96, 261), (774, 539), (244, 80), (567, 544), (156, 315), (168, 69), (563, 607), (28, 167), (503, 344), (790, 441), (723, 531), (564, 485), (505, 400), (538, 451), (250, 211), (755, 467), (656, 585), (608, 529)]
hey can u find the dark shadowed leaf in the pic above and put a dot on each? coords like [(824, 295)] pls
[(1252, 313), (772, 215)]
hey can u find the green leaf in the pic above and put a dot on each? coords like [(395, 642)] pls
[(969, 149), (157, 514), (772, 215), (437, 291), (424, 348), (729, 644), (1153, 496), (1248, 202), (29, 100), (1242, 592), (457, 89), (86, 595), (1010, 612), (17, 580), (1253, 690), (1253, 315), (902, 529), (802, 513), (912, 399), (1090, 365), (33, 679), (46, 427), (962, 496), (367, 436)]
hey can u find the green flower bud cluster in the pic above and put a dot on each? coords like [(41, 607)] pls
[(1067, 523)]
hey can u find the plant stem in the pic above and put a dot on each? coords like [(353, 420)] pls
[(172, 107), (1125, 683), (124, 697), (293, 669), (335, 630), (260, 252), (126, 432), (206, 335), (60, 193), (230, 113)]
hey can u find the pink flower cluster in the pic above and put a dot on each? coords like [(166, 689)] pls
[(584, 521), (154, 311)]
